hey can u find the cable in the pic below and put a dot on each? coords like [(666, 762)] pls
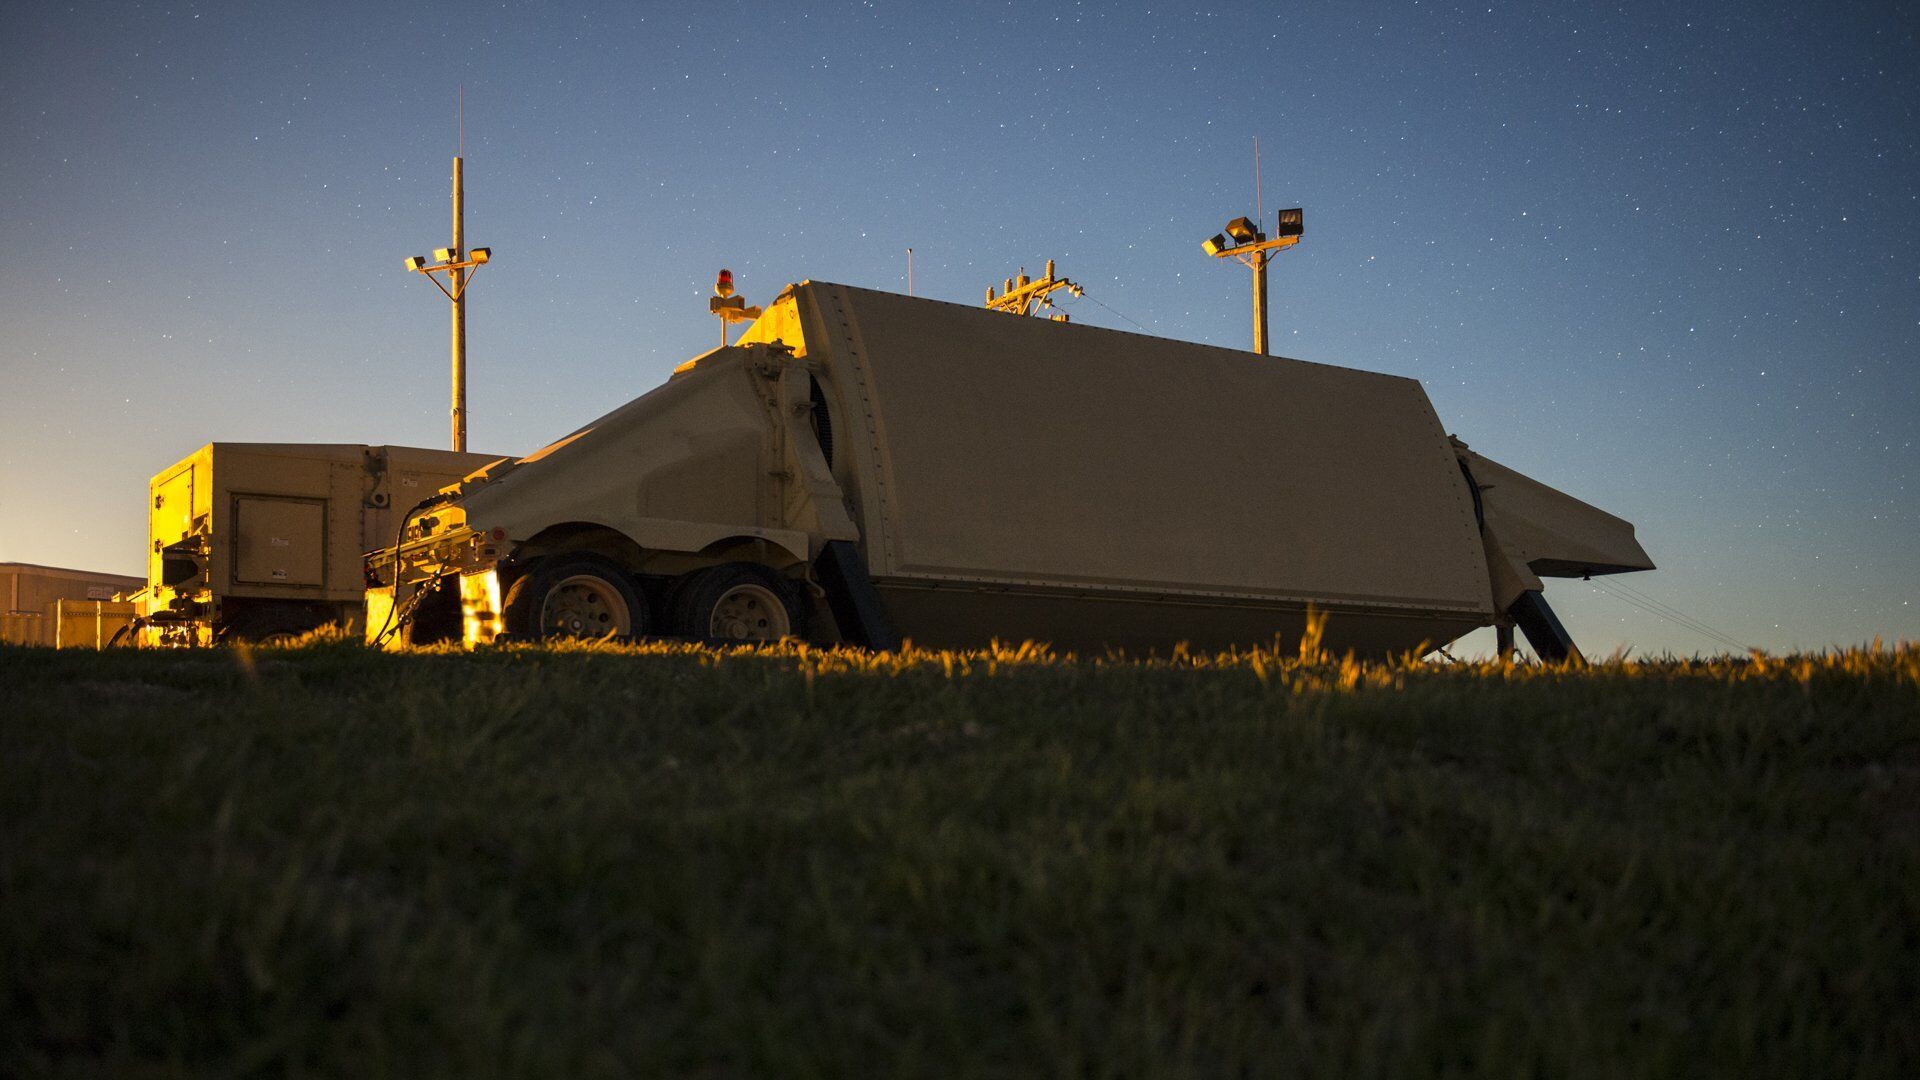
[(1662, 606), (400, 537), (1673, 615), (1096, 300)]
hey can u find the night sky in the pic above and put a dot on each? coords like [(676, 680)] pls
[(1664, 257)]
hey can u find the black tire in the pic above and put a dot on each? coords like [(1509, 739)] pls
[(437, 618), (574, 595), (758, 604)]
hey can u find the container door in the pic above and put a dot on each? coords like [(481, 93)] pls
[(279, 541), (171, 516)]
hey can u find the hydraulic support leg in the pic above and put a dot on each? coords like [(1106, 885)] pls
[(852, 598), (1544, 632)]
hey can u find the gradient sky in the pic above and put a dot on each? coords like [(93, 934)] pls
[(1665, 257)]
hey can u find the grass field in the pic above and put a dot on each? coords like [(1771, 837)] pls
[(662, 861)]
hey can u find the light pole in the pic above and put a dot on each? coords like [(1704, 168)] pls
[(459, 273), (1252, 247)]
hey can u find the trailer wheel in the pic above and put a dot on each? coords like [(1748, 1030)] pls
[(738, 602), (574, 595)]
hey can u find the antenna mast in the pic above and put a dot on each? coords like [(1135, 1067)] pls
[(1024, 296)]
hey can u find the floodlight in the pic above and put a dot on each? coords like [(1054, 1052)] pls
[(445, 254), (416, 262), (1243, 230), (480, 255), (1292, 223), (1218, 244)]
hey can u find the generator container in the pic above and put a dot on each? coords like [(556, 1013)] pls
[(266, 541)]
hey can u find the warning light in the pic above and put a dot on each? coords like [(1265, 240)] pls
[(723, 285)]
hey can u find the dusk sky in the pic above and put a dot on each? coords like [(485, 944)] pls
[(1665, 257)]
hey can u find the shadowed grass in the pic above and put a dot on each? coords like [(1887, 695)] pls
[(598, 861)]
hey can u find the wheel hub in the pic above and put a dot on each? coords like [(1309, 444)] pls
[(585, 606), (749, 613)]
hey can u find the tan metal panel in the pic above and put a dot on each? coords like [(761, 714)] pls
[(173, 502), (1549, 531), (1095, 620), (1022, 451), (280, 541), (25, 628), (170, 510), (87, 624), (692, 462)]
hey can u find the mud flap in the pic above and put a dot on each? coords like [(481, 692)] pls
[(1542, 627), (852, 598)]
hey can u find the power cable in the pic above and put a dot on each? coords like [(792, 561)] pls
[(1110, 308), (388, 627), (1661, 605), (1676, 619), (1675, 616)]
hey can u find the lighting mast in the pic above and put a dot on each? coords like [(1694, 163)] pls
[(1252, 247), (460, 271)]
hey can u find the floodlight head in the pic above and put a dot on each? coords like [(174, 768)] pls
[(1217, 244), (1292, 223), (415, 262), (1243, 230), (480, 255), (445, 254)]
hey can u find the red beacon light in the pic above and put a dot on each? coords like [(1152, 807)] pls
[(728, 307)]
